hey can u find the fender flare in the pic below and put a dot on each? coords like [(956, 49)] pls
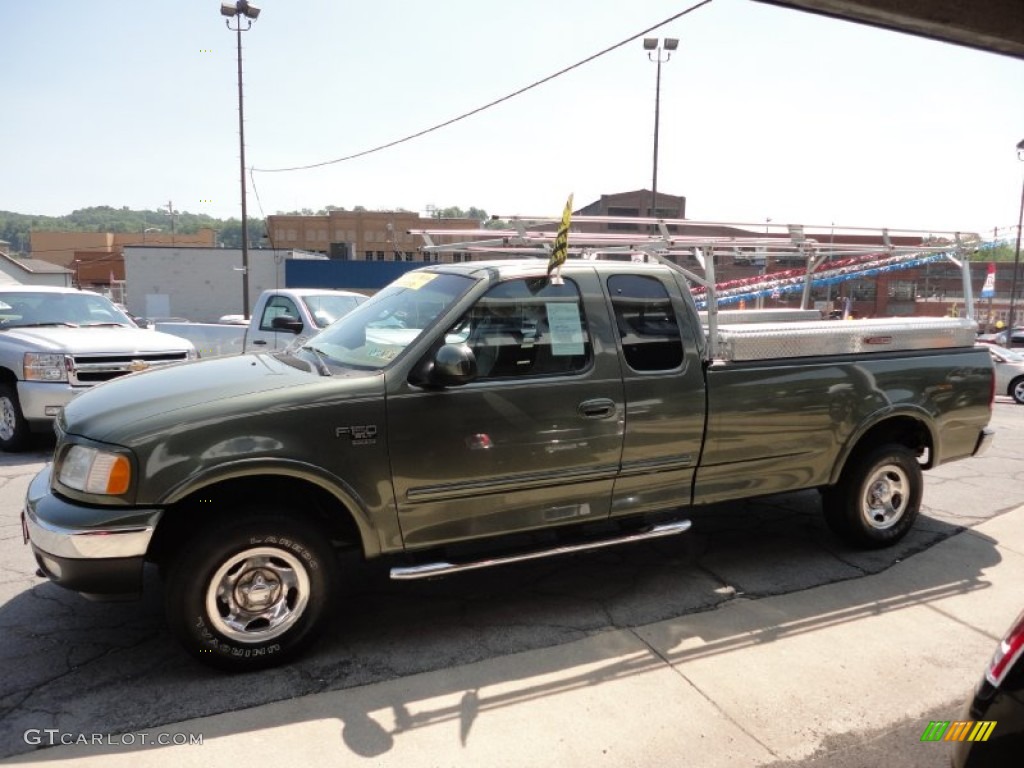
[(920, 415), (299, 470)]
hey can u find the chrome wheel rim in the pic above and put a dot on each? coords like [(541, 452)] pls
[(1018, 392), (886, 496), (257, 594), (8, 419)]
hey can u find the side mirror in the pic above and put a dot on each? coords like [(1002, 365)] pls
[(141, 322), (286, 323), (453, 365)]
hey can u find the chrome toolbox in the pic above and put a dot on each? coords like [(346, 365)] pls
[(765, 341)]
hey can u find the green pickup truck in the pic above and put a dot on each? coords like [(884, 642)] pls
[(480, 413)]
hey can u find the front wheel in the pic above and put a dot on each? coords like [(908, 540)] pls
[(1017, 390), (877, 498), (14, 430), (251, 593)]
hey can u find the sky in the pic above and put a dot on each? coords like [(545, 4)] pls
[(765, 113)]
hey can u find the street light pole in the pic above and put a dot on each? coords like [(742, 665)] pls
[(250, 12), (1016, 257), (668, 44)]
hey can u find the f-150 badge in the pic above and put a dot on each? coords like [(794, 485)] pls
[(359, 434)]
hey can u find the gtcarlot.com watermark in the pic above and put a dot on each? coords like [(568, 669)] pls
[(54, 737)]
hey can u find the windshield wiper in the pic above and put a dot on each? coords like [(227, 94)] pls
[(59, 323), (321, 359), (104, 325)]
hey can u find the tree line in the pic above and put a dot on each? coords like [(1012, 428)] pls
[(15, 228)]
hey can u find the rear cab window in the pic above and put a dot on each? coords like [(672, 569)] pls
[(648, 328)]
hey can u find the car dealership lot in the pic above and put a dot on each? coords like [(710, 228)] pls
[(89, 668)]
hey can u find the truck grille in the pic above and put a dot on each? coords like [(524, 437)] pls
[(94, 369)]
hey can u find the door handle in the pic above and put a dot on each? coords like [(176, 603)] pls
[(601, 408), (259, 342)]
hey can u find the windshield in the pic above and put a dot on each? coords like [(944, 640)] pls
[(1009, 355), (379, 330), (325, 308), (22, 309)]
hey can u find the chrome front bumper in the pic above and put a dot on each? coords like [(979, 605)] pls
[(96, 551), (41, 400)]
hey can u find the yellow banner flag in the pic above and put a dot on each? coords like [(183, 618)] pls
[(560, 249)]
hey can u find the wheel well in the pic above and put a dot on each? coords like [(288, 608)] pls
[(902, 430), (298, 498), (1013, 383), (7, 376)]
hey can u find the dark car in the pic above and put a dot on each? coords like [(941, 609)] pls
[(997, 709)]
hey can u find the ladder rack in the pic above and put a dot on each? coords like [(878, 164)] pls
[(828, 253)]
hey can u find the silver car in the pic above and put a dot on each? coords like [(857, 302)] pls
[(1009, 367)]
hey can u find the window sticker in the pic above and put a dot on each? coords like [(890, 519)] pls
[(415, 280), (566, 329)]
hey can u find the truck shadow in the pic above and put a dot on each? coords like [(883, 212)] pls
[(112, 668)]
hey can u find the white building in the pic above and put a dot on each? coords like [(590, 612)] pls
[(32, 271), (200, 284)]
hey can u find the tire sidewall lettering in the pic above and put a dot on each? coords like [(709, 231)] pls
[(223, 647), (288, 545)]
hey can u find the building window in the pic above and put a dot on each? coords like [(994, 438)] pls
[(862, 290), (380, 255), (368, 255), (902, 290)]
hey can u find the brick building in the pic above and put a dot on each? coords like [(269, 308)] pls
[(361, 235)]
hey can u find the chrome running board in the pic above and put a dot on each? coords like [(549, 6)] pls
[(427, 570)]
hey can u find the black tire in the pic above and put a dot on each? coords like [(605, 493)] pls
[(14, 430), (209, 600), (877, 498), (1016, 390)]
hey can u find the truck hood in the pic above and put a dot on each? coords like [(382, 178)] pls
[(94, 340), (142, 406)]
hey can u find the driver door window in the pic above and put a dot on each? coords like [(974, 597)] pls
[(520, 328), (279, 306)]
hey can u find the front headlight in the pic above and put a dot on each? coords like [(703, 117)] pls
[(94, 471), (45, 367)]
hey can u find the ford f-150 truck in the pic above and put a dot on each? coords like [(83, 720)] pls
[(58, 342), (282, 316), (481, 413)]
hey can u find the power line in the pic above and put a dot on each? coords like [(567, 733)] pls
[(494, 103)]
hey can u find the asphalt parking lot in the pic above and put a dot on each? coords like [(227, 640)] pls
[(88, 668)]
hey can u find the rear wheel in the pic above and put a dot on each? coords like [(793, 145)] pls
[(251, 593), (877, 498), (14, 430)]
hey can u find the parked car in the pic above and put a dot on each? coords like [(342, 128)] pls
[(281, 317), (1000, 338), (56, 343), (998, 699), (1009, 366)]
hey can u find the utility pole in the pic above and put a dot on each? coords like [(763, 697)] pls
[(174, 215)]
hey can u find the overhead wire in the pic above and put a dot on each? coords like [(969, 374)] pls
[(487, 106)]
